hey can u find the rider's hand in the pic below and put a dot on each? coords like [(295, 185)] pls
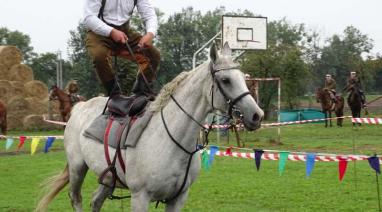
[(118, 36), (146, 40)]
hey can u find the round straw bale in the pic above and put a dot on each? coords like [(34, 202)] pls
[(10, 56), (37, 106), (14, 122), (18, 88), (4, 72), (37, 89), (18, 104), (21, 72), (5, 90), (36, 122)]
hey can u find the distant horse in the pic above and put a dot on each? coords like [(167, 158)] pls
[(354, 101), (161, 166), (3, 118), (323, 97), (66, 101)]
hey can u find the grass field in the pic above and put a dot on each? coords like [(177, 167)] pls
[(231, 184)]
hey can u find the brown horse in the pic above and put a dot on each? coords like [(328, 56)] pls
[(354, 101), (66, 101), (323, 97), (3, 118)]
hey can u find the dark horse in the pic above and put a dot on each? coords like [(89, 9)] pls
[(3, 118), (354, 101), (323, 97), (66, 102)]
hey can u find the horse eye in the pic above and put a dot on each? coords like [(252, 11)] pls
[(226, 81)]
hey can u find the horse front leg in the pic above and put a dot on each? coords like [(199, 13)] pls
[(330, 118), (140, 202), (326, 119), (177, 204)]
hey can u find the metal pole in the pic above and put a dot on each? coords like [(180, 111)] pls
[(279, 108), (57, 71), (203, 47)]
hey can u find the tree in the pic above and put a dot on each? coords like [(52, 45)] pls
[(344, 54), (44, 68), (18, 39), (284, 58)]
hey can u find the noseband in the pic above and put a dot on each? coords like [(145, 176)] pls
[(230, 102)]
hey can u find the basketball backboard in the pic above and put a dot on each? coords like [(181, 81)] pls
[(244, 32)]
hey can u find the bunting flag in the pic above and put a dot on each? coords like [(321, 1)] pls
[(34, 144), (258, 154), (21, 143), (310, 160), (9, 143), (228, 151), (205, 160), (342, 165), (282, 161), (374, 164), (213, 150), (48, 144)]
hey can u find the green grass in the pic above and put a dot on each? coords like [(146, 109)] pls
[(231, 184)]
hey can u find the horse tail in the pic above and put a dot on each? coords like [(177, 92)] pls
[(52, 187)]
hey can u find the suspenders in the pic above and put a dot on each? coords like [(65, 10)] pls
[(100, 13)]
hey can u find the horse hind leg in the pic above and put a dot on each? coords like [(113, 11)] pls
[(77, 173), (140, 202)]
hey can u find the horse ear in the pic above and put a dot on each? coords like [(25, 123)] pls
[(226, 49), (214, 55)]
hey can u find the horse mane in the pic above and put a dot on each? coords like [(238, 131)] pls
[(164, 96)]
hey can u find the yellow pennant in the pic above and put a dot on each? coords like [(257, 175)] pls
[(35, 142)]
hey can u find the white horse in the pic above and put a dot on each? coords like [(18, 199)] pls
[(156, 167)]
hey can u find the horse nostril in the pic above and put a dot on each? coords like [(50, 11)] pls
[(255, 117)]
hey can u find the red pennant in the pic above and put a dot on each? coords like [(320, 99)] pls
[(22, 141), (342, 165), (228, 151)]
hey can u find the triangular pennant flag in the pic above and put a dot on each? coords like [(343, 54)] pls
[(34, 144), (9, 143), (213, 150), (342, 165), (282, 161), (374, 164), (310, 160), (48, 144), (228, 151), (21, 143), (205, 164), (258, 154)]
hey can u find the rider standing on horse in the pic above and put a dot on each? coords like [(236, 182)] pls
[(330, 87), (354, 82), (109, 33)]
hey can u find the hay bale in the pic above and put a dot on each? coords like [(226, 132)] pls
[(21, 72), (37, 89), (36, 122), (10, 56), (5, 90), (37, 106), (15, 122), (18, 105), (18, 88), (4, 72)]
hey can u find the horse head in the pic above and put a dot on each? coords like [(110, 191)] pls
[(229, 90)]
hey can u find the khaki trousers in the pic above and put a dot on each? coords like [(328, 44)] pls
[(101, 49)]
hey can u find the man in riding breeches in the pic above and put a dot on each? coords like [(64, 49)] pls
[(110, 31), (330, 86)]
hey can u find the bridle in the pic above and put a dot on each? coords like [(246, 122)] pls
[(230, 102), (231, 108)]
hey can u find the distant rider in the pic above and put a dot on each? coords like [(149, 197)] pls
[(354, 82), (330, 87)]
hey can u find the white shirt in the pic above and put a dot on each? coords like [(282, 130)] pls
[(117, 12)]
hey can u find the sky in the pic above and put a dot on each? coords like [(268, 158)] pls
[(48, 22)]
